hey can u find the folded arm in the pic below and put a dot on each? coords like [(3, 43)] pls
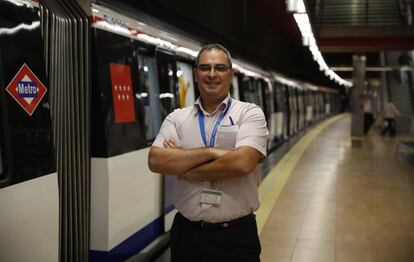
[(173, 160), (239, 162)]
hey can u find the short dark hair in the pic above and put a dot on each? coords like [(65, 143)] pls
[(214, 46)]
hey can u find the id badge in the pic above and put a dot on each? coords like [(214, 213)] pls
[(210, 197)]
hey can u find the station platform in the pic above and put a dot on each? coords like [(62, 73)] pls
[(327, 201)]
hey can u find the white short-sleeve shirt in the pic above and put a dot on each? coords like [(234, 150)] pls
[(243, 125)]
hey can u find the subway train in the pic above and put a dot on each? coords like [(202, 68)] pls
[(139, 72)]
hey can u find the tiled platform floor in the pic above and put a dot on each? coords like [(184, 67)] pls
[(344, 204)]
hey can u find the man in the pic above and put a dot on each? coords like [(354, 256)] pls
[(213, 147), (389, 114), (368, 114)]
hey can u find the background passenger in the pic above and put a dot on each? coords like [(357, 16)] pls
[(389, 114)]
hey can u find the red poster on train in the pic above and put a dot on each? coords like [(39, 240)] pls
[(122, 93)]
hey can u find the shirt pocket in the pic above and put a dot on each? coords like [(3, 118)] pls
[(226, 137)]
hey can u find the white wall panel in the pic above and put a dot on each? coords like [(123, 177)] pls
[(29, 220), (131, 198)]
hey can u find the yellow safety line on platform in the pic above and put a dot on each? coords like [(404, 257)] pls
[(274, 182)]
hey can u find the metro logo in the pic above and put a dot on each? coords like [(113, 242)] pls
[(122, 93), (26, 89)]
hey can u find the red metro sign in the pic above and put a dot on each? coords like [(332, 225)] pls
[(26, 89)]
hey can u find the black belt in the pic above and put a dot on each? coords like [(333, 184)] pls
[(208, 225)]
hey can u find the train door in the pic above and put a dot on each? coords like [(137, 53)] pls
[(267, 95), (280, 113), (293, 113), (314, 106), (252, 90), (126, 116), (327, 104), (258, 87), (267, 98), (248, 90), (288, 111), (242, 86), (320, 106), (305, 107), (273, 116), (29, 194), (296, 104), (169, 96), (309, 107), (186, 95), (303, 99), (317, 106), (301, 110)]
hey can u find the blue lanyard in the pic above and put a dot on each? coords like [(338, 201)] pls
[(202, 128)]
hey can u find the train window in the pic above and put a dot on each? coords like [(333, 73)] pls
[(185, 84), (247, 89), (276, 97), (26, 148), (167, 75), (118, 114), (252, 91), (234, 90), (149, 94), (280, 99)]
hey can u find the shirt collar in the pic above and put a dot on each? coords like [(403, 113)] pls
[(221, 106)]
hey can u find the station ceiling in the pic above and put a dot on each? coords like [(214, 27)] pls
[(264, 33)]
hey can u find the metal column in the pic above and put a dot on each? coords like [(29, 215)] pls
[(357, 103)]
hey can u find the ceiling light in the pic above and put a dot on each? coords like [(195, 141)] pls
[(308, 39)]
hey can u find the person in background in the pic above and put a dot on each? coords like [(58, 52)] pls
[(389, 114), (213, 147), (368, 114)]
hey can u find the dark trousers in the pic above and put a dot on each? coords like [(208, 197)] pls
[(390, 126), (368, 121), (236, 240)]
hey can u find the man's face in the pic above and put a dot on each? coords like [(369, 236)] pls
[(213, 74)]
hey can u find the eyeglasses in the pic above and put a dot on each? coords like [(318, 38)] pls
[(205, 68)]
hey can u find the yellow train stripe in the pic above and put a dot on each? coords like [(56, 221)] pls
[(274, 182)]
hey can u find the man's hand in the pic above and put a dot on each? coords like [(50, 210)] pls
[(217, 151), (169, 143), (171, 159)]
